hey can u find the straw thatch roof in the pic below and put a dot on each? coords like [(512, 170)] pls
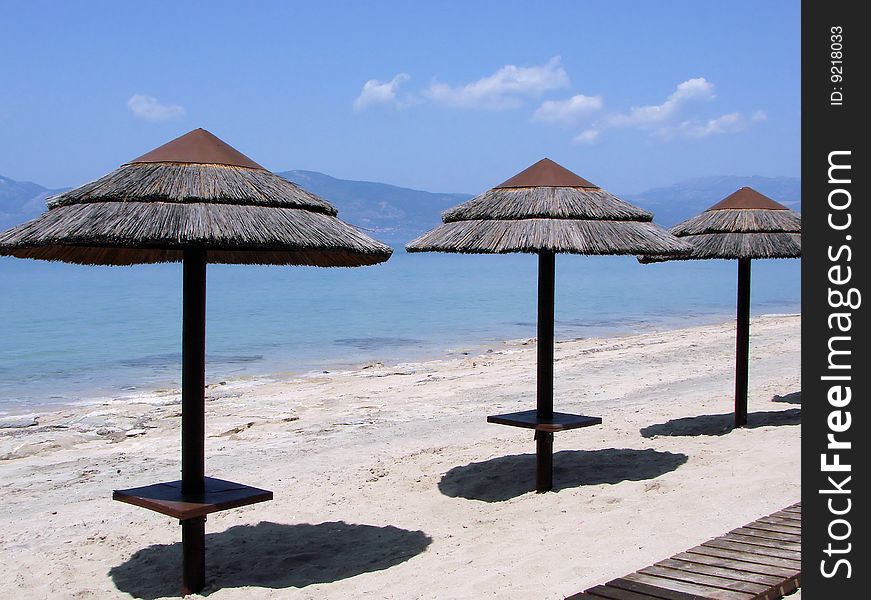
[(746, 224), (547, 208), (194, 192)]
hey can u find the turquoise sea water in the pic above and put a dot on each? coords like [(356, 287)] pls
[(70, 333)]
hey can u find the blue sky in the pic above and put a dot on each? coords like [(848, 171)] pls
[(442, 96)]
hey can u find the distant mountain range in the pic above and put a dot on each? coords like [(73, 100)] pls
[(21, 200), (396, 214), (393, 214), (675, 203)]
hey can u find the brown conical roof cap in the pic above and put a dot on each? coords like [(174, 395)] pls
[(546, 173), (747, 198), (198, 147)]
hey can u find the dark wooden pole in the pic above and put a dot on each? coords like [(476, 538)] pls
[(193, 542), (193, 415), (543, 461), (742, 342), (544, 395)]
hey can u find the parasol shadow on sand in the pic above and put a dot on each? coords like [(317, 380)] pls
[(276, 556), (714, 425), (792, 398), (496, 480), (745, 225), (193, 200), (546, 209)]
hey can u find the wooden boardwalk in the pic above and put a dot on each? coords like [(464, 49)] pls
[(760, 561)]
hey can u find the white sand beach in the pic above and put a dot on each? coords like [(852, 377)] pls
[(389, 483)]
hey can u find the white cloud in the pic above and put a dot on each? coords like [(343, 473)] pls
[(673, 117), (729, 123), (588, 136), (505, 88), (151, 109), (380, 92), (688, 92), (568, 111)]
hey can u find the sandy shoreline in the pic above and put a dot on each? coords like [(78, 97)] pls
[(390, 484)]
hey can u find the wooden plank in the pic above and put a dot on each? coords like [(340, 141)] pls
[(796, 531), (759, 561), (790, 585), (740, 565), (557, 422), (789, 579), (754, 558), (720, 571), (785, 538), (700, 591), (756, 590), (775, 527), (788, 515), (761, 542), (793, 520), (789, 531), (796, 523), (767, 538), (169, 499), (611, 593), (755, 550), (660, 593), (781, 522)]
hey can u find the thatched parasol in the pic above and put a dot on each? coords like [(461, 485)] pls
[(743, 226), (195, 200), (546, 209)]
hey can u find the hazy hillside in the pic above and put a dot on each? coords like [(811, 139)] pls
[(675, 203), (397, 215), (392, 214), (20, 201)]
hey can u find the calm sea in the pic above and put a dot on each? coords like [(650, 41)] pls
[(72, 333)]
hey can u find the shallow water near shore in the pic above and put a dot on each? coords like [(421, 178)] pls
[(72, 333)]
